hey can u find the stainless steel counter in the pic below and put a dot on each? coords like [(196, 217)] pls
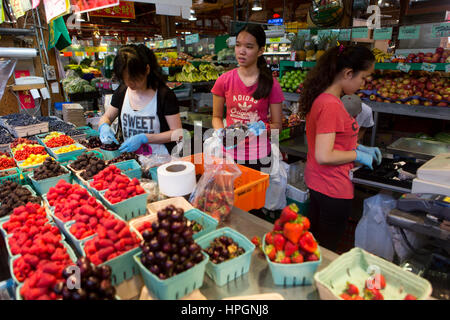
[(259, 279), (194, 119)]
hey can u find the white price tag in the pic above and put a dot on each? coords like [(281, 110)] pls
[(403, 67), (430, 67), (165, 70), (298, 64)]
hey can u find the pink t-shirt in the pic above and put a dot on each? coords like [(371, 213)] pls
[(242, 107), (328, 115)]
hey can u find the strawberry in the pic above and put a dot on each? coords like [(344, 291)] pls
[(271, 252), (312, 257), (351, 289), (378, 282), (278, 226), (290, 248), (410, 297), (308, 243), (372, 294), (293, 230), (345, 296), (269, 238), (279, 241), (256, 241), (297, 257), (286, 260), (306, 223), (357, 298), (289, 213)]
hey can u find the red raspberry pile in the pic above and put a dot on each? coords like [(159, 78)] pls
[(105, 177), (123, 188)]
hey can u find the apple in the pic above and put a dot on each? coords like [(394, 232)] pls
[(372, 97), (434, 80), (374, 82), (418, 93), (435, 58), (392, 90), (408, 93), (428, 55), (430, 86), (394, 96), (398, 102), (437, 97), (421, 54), (408, 102), (369, 78), (384, 89), (400, 91), (442, 104), (369, 87), (446, 97), (407, 86), (360, 94), (406, 81), (387, 101), (427, 103), (379, 99), (439, 50), (427, 59), (442, 60), (384, 94), (415, 101), (423, 79), (416, 60), (403, 96)]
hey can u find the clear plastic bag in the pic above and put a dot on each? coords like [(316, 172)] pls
[(6, 68), (372, 232), (276, 193), (214, 193), (154, 160)]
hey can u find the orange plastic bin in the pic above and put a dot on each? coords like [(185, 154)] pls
[(249, 188)]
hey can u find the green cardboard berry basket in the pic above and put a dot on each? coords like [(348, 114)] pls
[(175, 287), (109, 155), (40, 137), (78, 243), (295, 274), (123, 267), (42, 186), (208, 223), (129, 208), (67, 155), (130, 168), (356, 265), (14, 176), (72, 256), (229, 270)]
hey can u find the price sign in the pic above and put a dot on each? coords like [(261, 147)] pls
[(430, 67), (274, 40), (360, 33), (305, 32), (440, 31), (165, 70), (298, 64), (447, 67), (403, 67), (323, 33), (382, 34), (192, 38), (345, 34), (409, 32)]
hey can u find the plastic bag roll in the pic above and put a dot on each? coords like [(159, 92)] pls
[(176, 178), (18, 53)]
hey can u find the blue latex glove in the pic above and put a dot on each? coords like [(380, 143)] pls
[(373, 151), (106, 134), (133, 143), (256, 127), (364, 158)]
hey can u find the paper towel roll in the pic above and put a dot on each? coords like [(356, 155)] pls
[(176, 178)]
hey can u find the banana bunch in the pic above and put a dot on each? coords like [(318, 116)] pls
[(381, 56)]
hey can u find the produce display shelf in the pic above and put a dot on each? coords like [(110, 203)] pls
[(291, 97), (432, 112)]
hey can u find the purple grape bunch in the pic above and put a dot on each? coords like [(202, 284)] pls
[(169, 249), (222, 249)]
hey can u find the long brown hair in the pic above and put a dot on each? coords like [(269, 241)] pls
[(333, 61)]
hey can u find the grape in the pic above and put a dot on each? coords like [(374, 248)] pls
[(144, 260), (198, 257), (176, 227), (155, 226), (167, 247), (179, 268), (151, 257), (184, 251), (163, 236), (162, 214), (181, 242), (58, 288), (93, 296), (160, 256), (177, 216), (162, 276), (154, 245), (174, 238), (147, 235), (182, 259), (154, 269), (187, 234), (168, 265), (193, 248), (92, 283), (175, 258), (67, 295), (146, 249), (189, 265)]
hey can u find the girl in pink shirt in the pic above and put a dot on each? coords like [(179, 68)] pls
[(332, 135), (249, 93)]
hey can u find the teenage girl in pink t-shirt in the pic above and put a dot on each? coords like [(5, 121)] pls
[(249, 93), (332, 135)]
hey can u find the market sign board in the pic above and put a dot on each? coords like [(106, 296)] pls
[(92, 5), (304, 32), (125, 9), (440, 31), (360, 33), (277, 22), (323, 33), (382, 34), (409, 32), (345, 34), (192, 38)]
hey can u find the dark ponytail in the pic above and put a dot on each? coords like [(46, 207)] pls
[(330, 64), (135, 59), (265, 81)]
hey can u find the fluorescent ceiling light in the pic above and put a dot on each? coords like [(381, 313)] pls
[(192, 18), (125, 21)]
